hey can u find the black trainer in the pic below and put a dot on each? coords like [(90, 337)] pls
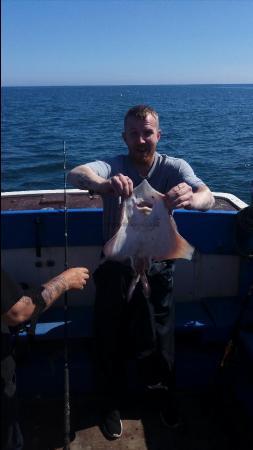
[(112, 425)]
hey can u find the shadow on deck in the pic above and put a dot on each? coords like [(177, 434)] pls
[(205, 426)]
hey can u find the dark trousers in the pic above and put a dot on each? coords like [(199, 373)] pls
[(142, 328)]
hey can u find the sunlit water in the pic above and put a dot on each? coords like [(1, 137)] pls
[(211, 126)]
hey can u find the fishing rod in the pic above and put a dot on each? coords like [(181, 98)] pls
[(66, 359)]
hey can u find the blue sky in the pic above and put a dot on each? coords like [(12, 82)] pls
[(82, 42)]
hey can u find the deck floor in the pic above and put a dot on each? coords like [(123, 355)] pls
[(203, 426)]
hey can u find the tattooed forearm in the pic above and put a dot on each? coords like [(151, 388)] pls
[(53, 289), (84, 177), (81, 177), (82, 182), (24, 308)]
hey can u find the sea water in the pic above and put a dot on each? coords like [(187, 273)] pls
[(210, 126)]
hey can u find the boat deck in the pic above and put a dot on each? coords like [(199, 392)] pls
[(203, 426), (211, 418)]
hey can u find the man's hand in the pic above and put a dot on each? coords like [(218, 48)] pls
[(76, 277), (180, 196), (121, 185)]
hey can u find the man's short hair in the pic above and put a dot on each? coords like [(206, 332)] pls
[(141, 112)]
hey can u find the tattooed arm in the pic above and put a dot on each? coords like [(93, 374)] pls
[(74, 278), (83, 177)]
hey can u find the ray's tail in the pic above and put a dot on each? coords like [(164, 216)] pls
[(145, 286)]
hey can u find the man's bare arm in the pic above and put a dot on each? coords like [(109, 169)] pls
[(74, 278), (83, 177)]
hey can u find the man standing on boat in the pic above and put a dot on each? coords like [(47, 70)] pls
[(18, 307), (143, 328)]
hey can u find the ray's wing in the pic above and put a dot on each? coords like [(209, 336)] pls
[(113, 247), (169, 244), (173, 245)]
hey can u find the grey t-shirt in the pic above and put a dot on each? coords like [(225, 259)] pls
[(165, 173)]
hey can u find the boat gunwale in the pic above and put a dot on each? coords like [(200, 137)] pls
[(231, 199)]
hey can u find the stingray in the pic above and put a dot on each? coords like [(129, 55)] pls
[(147, 233)]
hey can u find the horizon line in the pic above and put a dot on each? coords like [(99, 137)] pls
[(119, 85)]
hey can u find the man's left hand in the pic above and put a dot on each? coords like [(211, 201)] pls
[(180, 196)]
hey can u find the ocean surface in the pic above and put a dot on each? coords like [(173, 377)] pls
[(211, 126)]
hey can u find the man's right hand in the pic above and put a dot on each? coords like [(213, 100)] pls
[(121, 185)]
